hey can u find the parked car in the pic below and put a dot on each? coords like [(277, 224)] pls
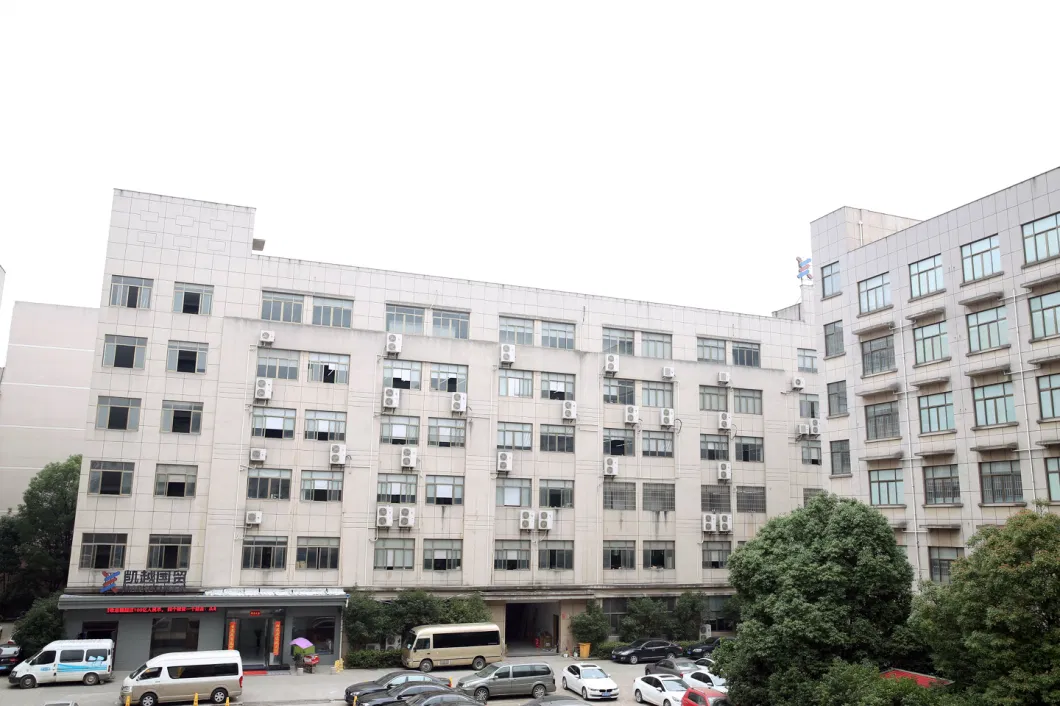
[(674, 667), (442, 699), (706, 647), (707, 662), (590, 681), (703, 678), (556, 700), (646, 650), (705, 697), (659, 690), (10, 656), (402, 692), (505, 679), (390, 680)]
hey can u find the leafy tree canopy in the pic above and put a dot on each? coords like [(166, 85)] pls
[(592, 626), (645, 617), (41, 624)]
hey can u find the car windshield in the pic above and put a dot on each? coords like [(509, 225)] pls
[(486, 671), (139, 670), (673, 685), (593, 673)]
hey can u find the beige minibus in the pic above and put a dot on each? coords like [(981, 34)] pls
[(429, 646)]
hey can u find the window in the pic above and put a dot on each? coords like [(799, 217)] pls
[(517, 331), (619, 555), (321, 425), (840, 452), (942, 485), (619, 442), (746, 354), (881, 421), (942, 559), (395, 554), (516, 383), (750, 498), (987, 329), (442, 554), (557, 335), (713, 399), (269, 484), (322, 486), (277, 364), (874, 293), (658, 497), (981, 258), (556, 493), (558, 556), (619, 391), (332, 312), (811, 453), (750, 448), (329, 368), (620, 496), (807, 360), (175, 481), (1044, 314), (404, 319), (1052, 478), (710, 349), (747, 401), (837, 397), (658, 555), (451, 324), (513, 492), (657, 394), (448, 378), (1040, 239), (181, 417), (618, 340), (925, 276), (276, 306), (809, 494), (264, 552), (396, 488), (885, 487), (120, 413), (443, 432), (656, 345), (833, 338), (186, 357), (830, 284), (715, 498), (445, 490), (994, 404), (557, 438), (716, 554), (713, 447), (103, 551), (192, 298), (272, 422), (1001, 482), (131, 292), (877, 355), (124, 352), (320, 553), (511, 555), (657, 443), (936, 412), (515, 436), (399, 431), (809, 406), (401, 374), (930, 343), (557, 386), (168, 551)]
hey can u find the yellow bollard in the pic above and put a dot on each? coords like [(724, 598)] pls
[(196, 702), (339, 665), (128, 699), (227, 698)]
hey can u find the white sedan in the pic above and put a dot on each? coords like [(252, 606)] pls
[(659, 690), (589, 681), (703, 678)]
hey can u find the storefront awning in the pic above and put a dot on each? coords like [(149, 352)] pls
[(211, 598)]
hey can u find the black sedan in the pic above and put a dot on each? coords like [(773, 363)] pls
[(646, 650), (390, 680), (402, 692), (557, 700), (706, 647), (449, 698)]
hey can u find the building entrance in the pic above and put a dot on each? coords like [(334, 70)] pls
[(531, 628), (257, 635)]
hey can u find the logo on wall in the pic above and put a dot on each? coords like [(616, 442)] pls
[(110, 582), (804, 267), (144, 581)]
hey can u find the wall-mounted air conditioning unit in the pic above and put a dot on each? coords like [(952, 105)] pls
[(253, 518), (407, 517), (724, 471), (337, 454), (262, 389), (393, 343), (570, 410), (724, 377), (611, 361), (458, 405), (384, 516), (815, 427), (611, 465), (545, 518), (507, 353), (391, 397), (710, 522), (259, 455), (632, 413), (526, 520), (669, 373), (504, 462), (725, 523), (802, 429), (724, 420), (267, 337), (408, 457), (798, 383), (666, 417)]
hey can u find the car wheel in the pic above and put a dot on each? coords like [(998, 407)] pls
[(426, 666), (666, 703), (564, 682), (539, 691), (670, 655), (481, 694), (91, 679), (478, 663), (218, 696), (27, 682), (637, 697), (633, 659), (149, 699)]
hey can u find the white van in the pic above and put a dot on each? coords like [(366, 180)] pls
[(178, 676), (86, 661)]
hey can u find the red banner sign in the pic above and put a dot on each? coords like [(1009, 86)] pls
[(277, 636), (166, 609), (232, 634)]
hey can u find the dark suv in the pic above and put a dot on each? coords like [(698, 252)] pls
[(646, 650)]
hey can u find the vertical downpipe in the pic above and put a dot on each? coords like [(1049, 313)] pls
[(909, 446), (1026, 401)]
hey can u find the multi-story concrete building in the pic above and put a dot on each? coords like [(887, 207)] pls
[(265, 434)]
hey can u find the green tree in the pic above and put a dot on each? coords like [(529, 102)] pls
[(645, 617), (365, 620), (412, 608), (41, 624), (688, 615), (466, 609), (45, 524), (847, 684), (592, 626), (995, 629), (823, 583)]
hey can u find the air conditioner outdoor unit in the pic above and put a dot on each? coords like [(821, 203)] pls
[(259, 455), (504, 462), (611, 363), (815, 427), (669, 373), (408, 457), (798, 383), (253, 517), (267, 337), (391, 397), (337, 454), (393, 343), (570, 409), (262, 389), (666, 417), (384, 516), (632, 414), (710, 522), (724, 377), (526, 520), (724, 471), (724, 420), (803, 429), (610, 465), (507, 353), (545, 518), (407, 517), (459, 403), (725, 523)]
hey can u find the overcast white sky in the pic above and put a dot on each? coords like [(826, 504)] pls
[(669, 151)]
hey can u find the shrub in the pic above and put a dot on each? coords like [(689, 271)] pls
[(592, 626), (41, 624), (373, 659), (604, 649)]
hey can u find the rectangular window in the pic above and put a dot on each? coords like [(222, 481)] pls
[(809, 406), (881, 421), (837, 397), (264, 552), (557, 335), (192, 298), (656, 345), (747, 355), (395, 554), (557, 438), (401, 374), (330, 368), (715, 498), (619, 556), (618, 340), (442, 554), (321, 425), (186, 357), (396, 488), (877, 355), (619, 391), (1052, 478), (620, 496), (269, 484), (930, 343), (981, 258), (942, 559), (658, 555), (554, 555), (942, 485), (448, 378), (118, 413), (713, 399), (556, 493), (750, 498), (516, 383), (751, 449), (710, 349), (444, 432), (840, 452), (657, 394), (277, 364), (124, 352), (404, 319), (173, 481), (1041, 240), (657, 443), (517, 331), (277, 306), (807, 360), (131, 292), (618, 442), (515, 436), (885, 487), (1001, 482), (272, 422), (399, 431), (658, 497), (168, 551), (936, 412), (830, 285), (1044, 315), (874, 293), (713, 447), (811, 453), (987, 329), (318, 553), (925, 276), (322, 486), (833, 338), (994, 404), (181, 417), (716, 554), (103, 551), (511, 555), (337, 313), (445, 490), (513, 492), (557, 386), (451, 324)]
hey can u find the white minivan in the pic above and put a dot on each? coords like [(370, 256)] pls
[(86, 661), (215, 675)]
